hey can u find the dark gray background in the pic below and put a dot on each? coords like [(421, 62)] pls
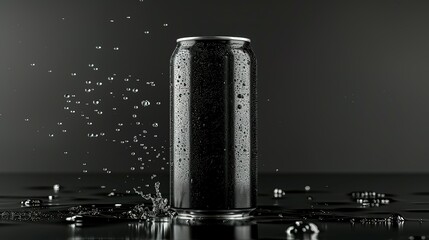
[(343, 85)]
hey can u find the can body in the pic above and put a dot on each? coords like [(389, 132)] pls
[(213, 145)]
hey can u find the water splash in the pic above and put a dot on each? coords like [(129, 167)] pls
[(160, 207)]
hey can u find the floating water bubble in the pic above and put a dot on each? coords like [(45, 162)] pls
[(97, 47), (32, 64), (300, 228), (278, 193), (135, 90), (307, 188), (96, 102), (31, 203), (136, 107), (89, 123), (370, 198), (26, 119), (56, 187), (133, 168), (65, 153), (66, 95), (51, 135), (91, 65), (110, 78), (395, 218), (125, 98), (165, 24), (83, 164), (73, 74), (95, 69), (116, 48), (422, 237), (111, 20), (128, 17), (84, 171), (154, 124), (145, 103), (146, 32), (134, 115), (92, 135), (49, 71), (158, 103)]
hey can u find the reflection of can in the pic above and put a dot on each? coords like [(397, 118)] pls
[(213, 127)]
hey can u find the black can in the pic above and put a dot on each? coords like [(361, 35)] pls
[(213, 146)]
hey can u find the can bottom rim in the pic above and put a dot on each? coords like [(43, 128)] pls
[(235, 214)]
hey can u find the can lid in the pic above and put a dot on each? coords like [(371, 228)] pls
[(213, 38)]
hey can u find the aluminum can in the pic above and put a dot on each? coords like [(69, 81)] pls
[(213, 123)]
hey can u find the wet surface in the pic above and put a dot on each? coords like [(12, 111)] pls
[(299, 206)]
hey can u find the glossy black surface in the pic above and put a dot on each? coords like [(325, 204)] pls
[(213, 125), (329, 204)]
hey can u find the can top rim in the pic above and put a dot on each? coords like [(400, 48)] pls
[(213, 38)]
